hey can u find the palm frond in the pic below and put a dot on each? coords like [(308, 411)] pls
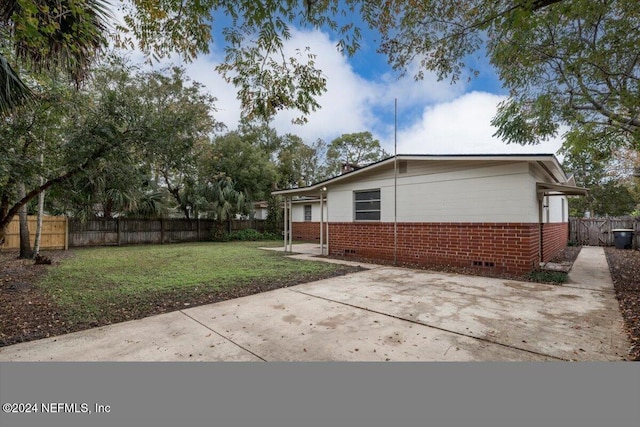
[(13, 91)]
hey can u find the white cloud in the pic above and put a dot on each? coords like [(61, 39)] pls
[(346, 105), (354, 104), (451, 121), (462, 126)]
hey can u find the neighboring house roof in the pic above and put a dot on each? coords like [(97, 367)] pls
[(558, 181)]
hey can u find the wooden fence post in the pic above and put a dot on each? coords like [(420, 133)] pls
[(66, 233), (119, 237)]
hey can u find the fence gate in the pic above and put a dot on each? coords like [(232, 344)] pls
[(598, 231)]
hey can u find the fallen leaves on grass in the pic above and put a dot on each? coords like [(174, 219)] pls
[(28, 313)]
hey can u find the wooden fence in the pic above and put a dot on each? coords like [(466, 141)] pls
[(598, 231), (61, 233), (107, 232), (54, 233)]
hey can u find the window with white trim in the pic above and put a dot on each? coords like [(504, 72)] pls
[(307, 212), (366, 205)]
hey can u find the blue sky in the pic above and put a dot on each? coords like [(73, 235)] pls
[(434, 117)]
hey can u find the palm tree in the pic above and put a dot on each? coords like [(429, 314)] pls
[(13, 92), (68, 36)]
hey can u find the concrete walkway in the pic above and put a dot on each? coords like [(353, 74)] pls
[(312, 252), (591, 270), (382, 314)]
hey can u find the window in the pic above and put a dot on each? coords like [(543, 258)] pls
[(367, 205), (307, 212)]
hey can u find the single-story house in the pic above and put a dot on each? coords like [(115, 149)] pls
[(504, 212), (260, 210)]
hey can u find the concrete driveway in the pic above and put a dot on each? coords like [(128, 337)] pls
[(383, 314)]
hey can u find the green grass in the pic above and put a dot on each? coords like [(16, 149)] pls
[(96, 281)]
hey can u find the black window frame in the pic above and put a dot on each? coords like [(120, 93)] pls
[(364, 208), (309, 219)]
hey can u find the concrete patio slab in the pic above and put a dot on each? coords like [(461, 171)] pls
[(285, 325), (383, 314), (312, 252), (166, 337), (557, 321)]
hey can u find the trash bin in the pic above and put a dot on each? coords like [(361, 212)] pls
[(623, 238)]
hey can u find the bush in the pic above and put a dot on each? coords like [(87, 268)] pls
[(247, 235), (552, 277), (218, 234), (271, 236)]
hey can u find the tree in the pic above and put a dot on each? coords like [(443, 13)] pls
[(160, 170), (572, 62), (356, 149), (612, 198), (29, 132), (180, 114), (246, 164), (95, 123), (609, 191), (64, 35), (299, 164)]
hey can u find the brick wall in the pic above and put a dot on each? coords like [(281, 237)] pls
[(507, 247), (555, 237), (309, 231)]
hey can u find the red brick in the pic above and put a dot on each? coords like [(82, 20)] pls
[(512, 247)]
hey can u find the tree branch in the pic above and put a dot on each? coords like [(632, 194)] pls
[(33, 193)]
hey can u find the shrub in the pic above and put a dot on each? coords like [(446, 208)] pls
[(271, 236), (543, 276), (247, 235), (218, 234)]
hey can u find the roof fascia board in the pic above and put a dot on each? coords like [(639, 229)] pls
[(536, 158)]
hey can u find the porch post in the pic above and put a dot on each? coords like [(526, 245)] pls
[(321, 225), (326, 204), (291, 224), (286, 223)]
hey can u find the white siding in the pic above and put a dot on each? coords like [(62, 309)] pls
[(556, 211), (477, 192), (298, 211), (260, 213)]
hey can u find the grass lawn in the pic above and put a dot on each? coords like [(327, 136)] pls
[(106, 285)]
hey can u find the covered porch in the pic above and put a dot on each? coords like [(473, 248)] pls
[(315, 194)]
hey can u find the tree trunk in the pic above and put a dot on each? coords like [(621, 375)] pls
[(36, 245), (25, 243)]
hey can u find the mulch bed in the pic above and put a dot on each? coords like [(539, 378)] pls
[(625, 271), (27, 313)]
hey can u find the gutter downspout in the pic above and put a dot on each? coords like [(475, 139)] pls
[(395, 184), (326, 204), (540, 231)]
